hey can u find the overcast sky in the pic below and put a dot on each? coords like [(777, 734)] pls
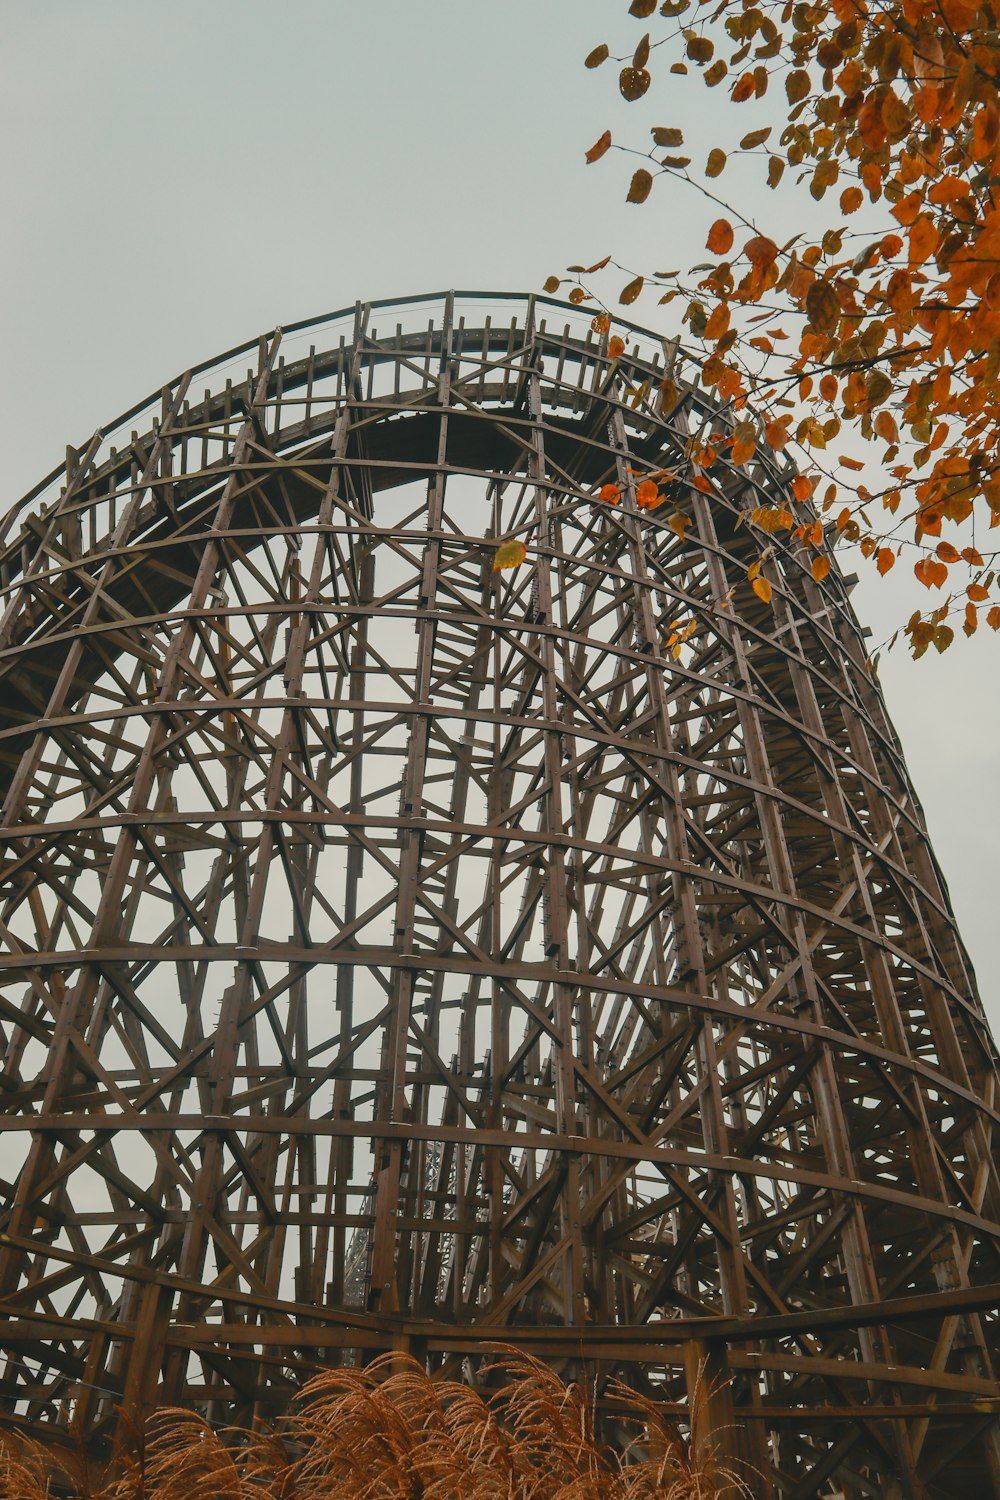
[(178, 178)]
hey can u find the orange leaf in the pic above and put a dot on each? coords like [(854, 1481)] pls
[(828, 388), (610, 494), (718, 323), (720, 237), (599, 147), (971, 619), (884, 559), (886, 428), (761, 251), (600, 323), (947, 553), (629, 293), (647, 495), (820, 568), (762, 589), (678, 522), (851, 200), (993, 618), (616, 346), (776, 434), (930, 573), (924, 240), (803, 486), (977, 593), (509, 554)]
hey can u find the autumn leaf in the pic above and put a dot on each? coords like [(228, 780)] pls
[(716, 162), (977, 593), (647, 495), (616, 346), (822, 307), (762, 589), (596, 57), (923, 238), (597, 150), (720, 237), (633, 83), (551, 284), (667, 136), (509, 554), (639, 188), (631, 291), (744, 442), (760, 250), (884, 559), (820, 568), (610, 494), (930, 572)]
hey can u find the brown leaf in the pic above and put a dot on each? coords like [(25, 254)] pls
[(822, 307), (631, 291), (633, 83), (641, 55), (599, 147), (616, 347), (797, 85), (755, 138), (716, 162), (551, 284), (594, 59), (642, 8), (639, 187), (667, 135)]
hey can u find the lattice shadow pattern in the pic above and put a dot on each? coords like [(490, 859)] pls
[(404, 955)]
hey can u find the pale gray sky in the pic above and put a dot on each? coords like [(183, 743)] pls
[(177, 178)]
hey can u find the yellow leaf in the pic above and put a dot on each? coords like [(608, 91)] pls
[(820, 568), (762, 589), (509, 554)]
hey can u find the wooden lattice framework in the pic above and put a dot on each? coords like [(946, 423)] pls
[(403, 955)]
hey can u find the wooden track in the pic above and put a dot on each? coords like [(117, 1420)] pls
[(400, 955)]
